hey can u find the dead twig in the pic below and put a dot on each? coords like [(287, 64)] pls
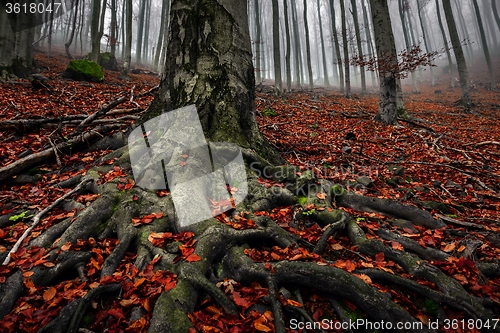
[(38, 216), (483, 143), (98, 114)]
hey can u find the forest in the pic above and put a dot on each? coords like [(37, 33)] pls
[(249, 166)]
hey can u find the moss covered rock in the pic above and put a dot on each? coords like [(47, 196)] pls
[(108, 61), (84, 70)]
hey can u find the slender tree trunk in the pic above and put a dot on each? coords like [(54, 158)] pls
[(368, 34), (128, 40), (308, 48), (72, 33), (258, 41), (484, 42), (347, 74), (358, 42), (147, 16), (337, 47), (94, 30), (459, 56), (451, 66), (424, 36), (288, 48), (297, 48), (113, 28), (491, 26), (51, 29), (276, 47), (163, 30), (140, 32), (466, 32), (326, 81), (403, 15), (495, 13)]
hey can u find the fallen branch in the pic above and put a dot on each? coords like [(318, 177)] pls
[(38, 216), (483, 143), (462, 223), (35, 159), (98, 114)]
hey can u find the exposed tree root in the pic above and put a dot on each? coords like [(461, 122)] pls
[(221, 249)]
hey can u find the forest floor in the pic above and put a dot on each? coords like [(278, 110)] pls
[(444, 161)]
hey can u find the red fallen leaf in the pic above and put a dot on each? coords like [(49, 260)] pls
[(449, 247), (183, 163), (350, 266), (193, 257), (135, 198), (191, 330), (321, 195), (350, 304), (117, 313), (66, 246), (162, 193), (317, 315), (379, 257), (397, 246), (294, 303), (49, 264), (185, 156), (49, 294), (240, 300), (261, 327)]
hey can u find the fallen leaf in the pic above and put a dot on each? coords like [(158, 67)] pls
[(49, 294)]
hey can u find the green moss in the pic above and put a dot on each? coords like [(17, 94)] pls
[(302, 200), (431, 307), (268, 112), (84, 70)]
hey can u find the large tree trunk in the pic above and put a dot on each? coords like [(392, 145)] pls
[(210, 66), (16, 39), (217, 75), (387, 61)]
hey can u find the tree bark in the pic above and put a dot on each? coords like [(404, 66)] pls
[(217, 75), (484, 43), (326, 81), (358, 43), (347, 71), (308, 48), (387, 61), (288, 66), (337, 47), (276, 47), (459, 56)]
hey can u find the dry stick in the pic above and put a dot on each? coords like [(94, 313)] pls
[(462, 223), (98, 114), (483, 143), (38, 216), (55, 152)]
